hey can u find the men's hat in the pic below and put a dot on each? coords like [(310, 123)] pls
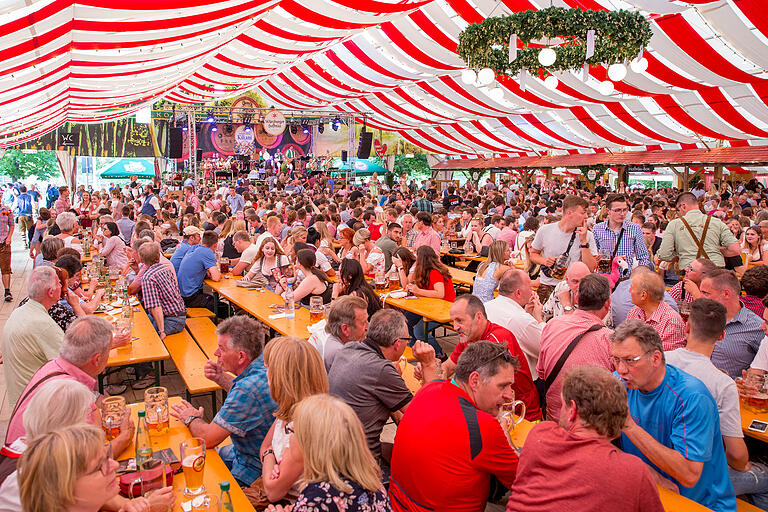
[(192, 230)]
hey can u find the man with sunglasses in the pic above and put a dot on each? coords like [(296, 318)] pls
[(450, 445), (673, 423), (619, 237)]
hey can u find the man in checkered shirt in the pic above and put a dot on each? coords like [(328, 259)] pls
[(6, 235), (160, 293)]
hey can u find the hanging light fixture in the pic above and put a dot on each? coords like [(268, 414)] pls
[(551, 82), (486, 76), (547, 57), (639, 65), (468, 76), (605, 87), (617, 72)]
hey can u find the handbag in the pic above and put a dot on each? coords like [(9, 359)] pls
[(543, 385), (258, 496)]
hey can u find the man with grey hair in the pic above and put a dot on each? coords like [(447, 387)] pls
[(347, 321), (160, 293), (31, 337), (82, 357), (450, 443), (246, 414), (673, 424), (647, 294), (364, 376)]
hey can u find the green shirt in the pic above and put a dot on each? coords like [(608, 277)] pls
[(677, 241), (30, 339)]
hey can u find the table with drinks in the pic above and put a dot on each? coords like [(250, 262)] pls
[(753, 400), (267, 306), (204, 483)]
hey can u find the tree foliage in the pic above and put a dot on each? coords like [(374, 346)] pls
[(413, 167), (20, 164)]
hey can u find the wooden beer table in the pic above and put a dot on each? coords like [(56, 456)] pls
[(672, 501), (215, 470), (436, 310), (147, 348), (257, 303), (747, 415), (461, 277)]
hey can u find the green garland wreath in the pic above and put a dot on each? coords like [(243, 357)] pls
[(619, 36)]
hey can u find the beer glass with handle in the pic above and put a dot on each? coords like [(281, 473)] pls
[(112, 413), (193, 464), (156, 405)]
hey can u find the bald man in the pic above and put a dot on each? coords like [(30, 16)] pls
[(647, 294), (563, 299)]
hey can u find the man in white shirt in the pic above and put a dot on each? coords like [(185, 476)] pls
[(274, 225), (248, 251), (705, 327), (518, 309), (495, 227)]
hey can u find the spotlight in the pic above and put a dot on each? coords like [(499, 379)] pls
[(304, 128), (214, 128), (320, 128), (184, 128), (210, 118), (294, 129), (336, 124), (248, 127)]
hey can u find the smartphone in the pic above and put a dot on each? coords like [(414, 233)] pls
[(758, 426)]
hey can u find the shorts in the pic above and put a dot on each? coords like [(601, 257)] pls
[(5, 259)]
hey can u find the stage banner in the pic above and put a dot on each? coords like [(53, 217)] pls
[(123, 138), (230, 139)]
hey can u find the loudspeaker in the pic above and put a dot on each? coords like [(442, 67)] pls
[(199, 154), (364, 145), (344, 155), (175, 142)]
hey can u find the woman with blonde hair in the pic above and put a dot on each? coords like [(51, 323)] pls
[(340, 474), (269, 257), (755, 247), (490, 271), (295, 371), (68, 470), (227, 242)]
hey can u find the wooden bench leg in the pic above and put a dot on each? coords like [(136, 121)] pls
[(213, 402), (189, 397), (156, 364)]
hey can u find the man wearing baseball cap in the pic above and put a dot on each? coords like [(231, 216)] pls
[(191, 237)]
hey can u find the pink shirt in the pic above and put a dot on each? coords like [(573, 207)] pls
[(508, 235), (62, 205), (16, 427), (667, 322), (594, 349), (428, 237)]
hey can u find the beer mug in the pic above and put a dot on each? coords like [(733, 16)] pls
[(122, 326), (193, 465), (316, 310), (151, 478), (156, 407), (757, 399), (559, 267), (380, 281), (224, 266), (508, 412), (604, 263), (112, 414), (684, 308)]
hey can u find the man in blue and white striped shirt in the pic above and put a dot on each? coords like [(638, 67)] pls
[(617, 230)]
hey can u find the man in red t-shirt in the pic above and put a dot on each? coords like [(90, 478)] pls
[(471, 324), (449, 443), (574, 466)]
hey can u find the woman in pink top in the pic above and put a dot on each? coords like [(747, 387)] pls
[(113, 248)]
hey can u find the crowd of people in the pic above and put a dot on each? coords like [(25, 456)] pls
[(626, 322)]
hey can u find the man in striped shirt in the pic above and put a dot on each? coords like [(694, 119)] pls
[(647, 293), (743, 335), (616, 230), (160, 293)]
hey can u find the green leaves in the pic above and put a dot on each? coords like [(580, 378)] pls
[(619, 36), (20, 165)]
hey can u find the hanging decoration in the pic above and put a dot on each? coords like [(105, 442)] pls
[(593, 173), (555, 38)]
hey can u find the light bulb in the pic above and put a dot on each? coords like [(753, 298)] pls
[(605, 87), (468, 76), (486, 76), (617, 72), (496, 94), (547, 56), (551, 82), (639, 65)]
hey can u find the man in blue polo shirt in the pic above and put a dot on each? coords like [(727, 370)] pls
[(191, 237), (673, 423), (197, 264)]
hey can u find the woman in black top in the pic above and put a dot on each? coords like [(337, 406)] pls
[(352, 282)]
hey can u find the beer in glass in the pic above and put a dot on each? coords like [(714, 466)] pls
[(380, 281), (316, 310), (156, 405), (112, 414), (224, 266), (193, 465)]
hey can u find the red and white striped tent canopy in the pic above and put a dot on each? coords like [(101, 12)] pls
[(97, 60)]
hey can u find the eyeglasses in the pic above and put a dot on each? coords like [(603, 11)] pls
[(406, 339), (629, 362), (104, 465), (507, 355)]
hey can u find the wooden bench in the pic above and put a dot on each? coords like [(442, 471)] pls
[(204, 332), (743, 506), (190, 361), (200, 313)]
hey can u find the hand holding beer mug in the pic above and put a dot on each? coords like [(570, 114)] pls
[(193, 465), (316, 310), (156, 405), (151, 478), (122, 333), (604, 263), (112, 415)]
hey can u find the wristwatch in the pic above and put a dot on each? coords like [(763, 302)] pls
[(265, 453), (189, 419), (584, 246), (568, 309)]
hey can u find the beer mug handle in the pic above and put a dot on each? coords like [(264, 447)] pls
[(136, 481), (522, 414)]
